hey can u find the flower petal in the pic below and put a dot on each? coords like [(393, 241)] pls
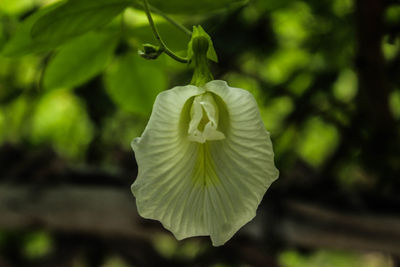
[(166, 157), (244, 161), (203, 188)]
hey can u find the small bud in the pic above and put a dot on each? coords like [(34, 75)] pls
[(150, 51)]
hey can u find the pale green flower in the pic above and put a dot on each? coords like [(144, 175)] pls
[(205, 161)]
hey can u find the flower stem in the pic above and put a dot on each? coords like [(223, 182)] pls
[(165, 49)]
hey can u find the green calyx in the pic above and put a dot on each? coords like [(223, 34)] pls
[(202, 73), (201, 49), (198, 31)]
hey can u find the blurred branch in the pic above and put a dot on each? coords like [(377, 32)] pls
[(110, 212), (315, 227), (94, 210)]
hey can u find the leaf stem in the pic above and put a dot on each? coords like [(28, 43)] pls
[(165, 49)]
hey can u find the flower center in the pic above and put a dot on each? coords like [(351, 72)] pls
[(204, 119)]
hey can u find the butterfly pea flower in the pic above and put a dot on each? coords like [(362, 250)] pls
[(205, 161)]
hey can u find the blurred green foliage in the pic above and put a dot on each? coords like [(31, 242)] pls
[(325, 258), (115, 261), (79, 60), (70, 78), (60, 119), (22, 41), (37, 245), (18, 6), (395, 104), (74, 18), (317, 140)]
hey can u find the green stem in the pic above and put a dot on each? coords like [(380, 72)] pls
[(158, 37), (201, 73), (170, 20)]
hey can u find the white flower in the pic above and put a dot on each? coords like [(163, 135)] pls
[(205, 161)]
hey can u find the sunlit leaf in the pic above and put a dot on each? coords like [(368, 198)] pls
[(16, 6), (278, 68), (317, 141), (15, 119), (37, 244), (292, 24), (76, 17), (133, 83), (345, 87), (21, 42), (390, 48), (22, 72), (60, 119), (80, 60)]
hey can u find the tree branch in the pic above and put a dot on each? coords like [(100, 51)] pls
[(315, 227)]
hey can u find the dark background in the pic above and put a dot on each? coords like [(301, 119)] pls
[(326, 78)]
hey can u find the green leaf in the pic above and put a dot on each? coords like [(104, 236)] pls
[(21, 42), (76, 17), (133, 83), (194, 6), (197, 32), (16, 7), (80, 60)]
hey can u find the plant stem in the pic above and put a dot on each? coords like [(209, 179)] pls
[(170, 20), (158, 37)]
